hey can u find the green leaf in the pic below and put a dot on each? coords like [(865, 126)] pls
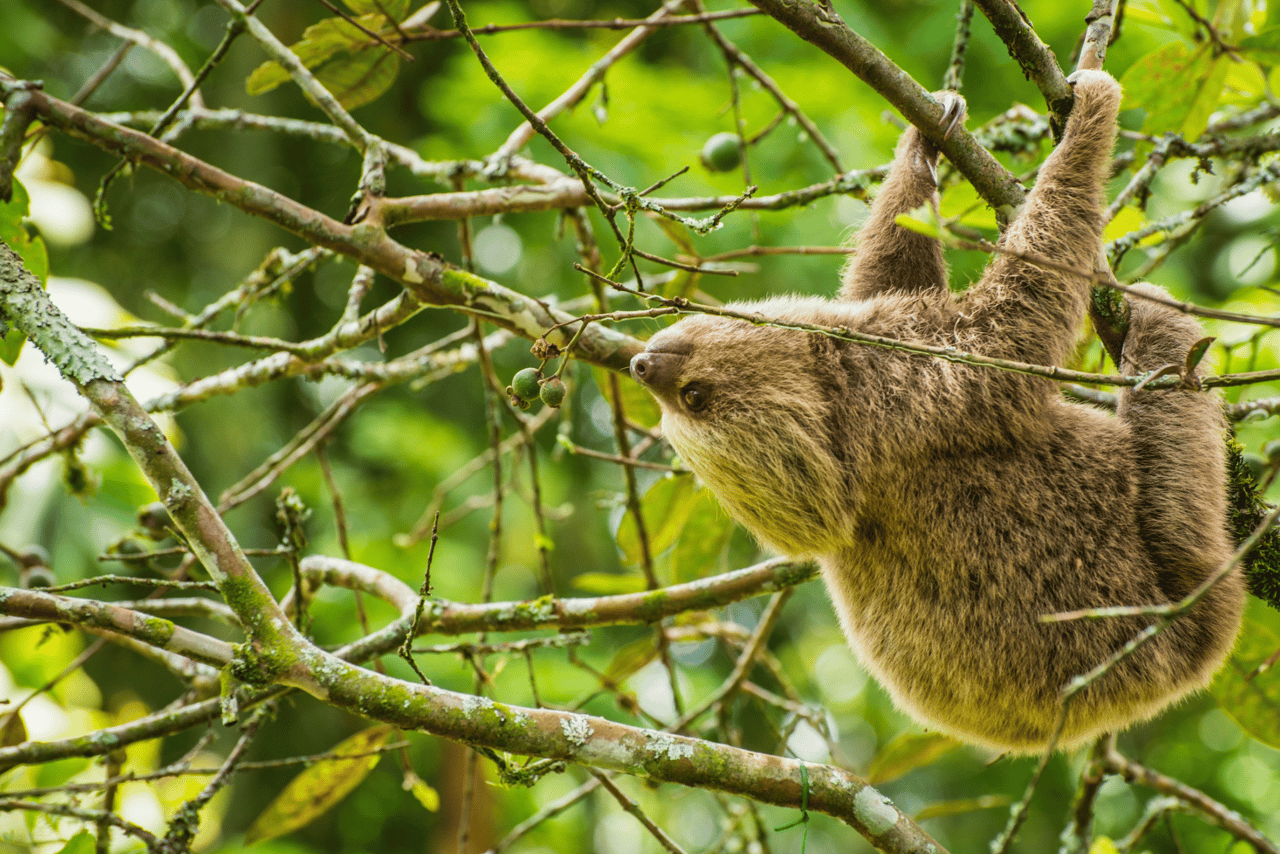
[(1254, 703), (397, 9), (81, 843), (929, 228), (32, 251), (319, 788), (1245, 84), (960, 807), (422, 792), (678, 234), (638, 404), (320, 43), (355, 68), (706, 531), (362, 78), (11, 346), (665, 508), (12, 731), (908, 752), (57, 773), (1264, 48), (608, 583), (1179, 88), (1103, 845), (962, 200), (632, 657), (1197, 351)]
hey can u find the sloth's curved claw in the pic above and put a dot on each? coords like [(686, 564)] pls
[(953, 111)]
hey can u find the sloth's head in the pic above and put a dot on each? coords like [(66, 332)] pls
[(746, 408)]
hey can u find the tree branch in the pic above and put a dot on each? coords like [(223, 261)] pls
[(425, 275), (818, 23)]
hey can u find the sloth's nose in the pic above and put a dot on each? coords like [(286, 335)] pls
[(656, 371), (641, 367)]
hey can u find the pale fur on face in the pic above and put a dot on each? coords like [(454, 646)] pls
[(763, 441)]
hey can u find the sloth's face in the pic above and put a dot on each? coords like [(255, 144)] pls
[(741, 405)]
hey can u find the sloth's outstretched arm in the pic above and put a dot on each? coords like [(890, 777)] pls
[(1029, 311), (890, 257)]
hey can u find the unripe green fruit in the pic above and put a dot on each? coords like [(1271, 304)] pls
[(721, 152), (552, 393), (524, 384)]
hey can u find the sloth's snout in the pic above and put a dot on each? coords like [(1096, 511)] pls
[(642, 367), (655, 371)]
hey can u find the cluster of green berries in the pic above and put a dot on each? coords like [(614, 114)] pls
[(528, 385)]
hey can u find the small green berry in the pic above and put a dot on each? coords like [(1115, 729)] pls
[(721, 153), (525, 384), (552, 393)]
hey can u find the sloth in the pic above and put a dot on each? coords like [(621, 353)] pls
[(950, 506)]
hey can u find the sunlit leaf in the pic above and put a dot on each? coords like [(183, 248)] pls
[(1197, 351), (422, 792), (665, 508), (962, 200), (1254, 703), (81, 843), (608, 583), (1244, 84), (32, 251), (1150, 17), (637, 403), (362, 77), (1103, 845), (1263, 48), (632, 657), (1127, 219), (908, 752), (960, 807), (1179, 88), (396, 9), (319, 788), (320, 42), (354, 67), (929, 228), (706, 531)]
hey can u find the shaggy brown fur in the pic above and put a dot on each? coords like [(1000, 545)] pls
[(951, 506)]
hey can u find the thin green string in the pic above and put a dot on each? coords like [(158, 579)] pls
[(804, 809)]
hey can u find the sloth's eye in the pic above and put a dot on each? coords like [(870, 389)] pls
[(694, 397)]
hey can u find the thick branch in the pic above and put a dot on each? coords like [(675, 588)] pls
[(819, 24), (155, 631)]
